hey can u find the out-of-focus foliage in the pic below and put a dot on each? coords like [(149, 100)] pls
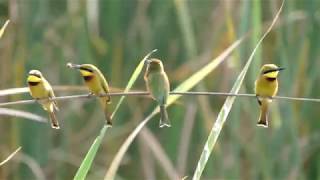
[(115, 35)]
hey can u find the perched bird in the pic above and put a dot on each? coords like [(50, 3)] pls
[(266, 86), (158, 86), (41, 90), (97, 85)]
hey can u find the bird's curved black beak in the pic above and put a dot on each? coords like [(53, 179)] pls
[(280, 69)]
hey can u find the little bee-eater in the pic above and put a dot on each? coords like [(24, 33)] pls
[(158, 86), (41, 90), (266, 86), (97, 85)]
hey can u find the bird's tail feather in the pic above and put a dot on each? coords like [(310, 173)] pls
[(164, 119), (104, 102), (108, 99), (263, 119), (54, 121)]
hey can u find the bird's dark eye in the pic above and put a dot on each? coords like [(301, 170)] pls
[(86, 69)]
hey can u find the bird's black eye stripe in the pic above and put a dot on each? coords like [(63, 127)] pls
[(37, 75), (86, 69), (270, 70)]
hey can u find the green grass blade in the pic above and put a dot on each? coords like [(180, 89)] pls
[(87, 162), (223, 114), (256, 34), (202, 73), (187, 31), (185, 86), (133, 78), (4, 28)]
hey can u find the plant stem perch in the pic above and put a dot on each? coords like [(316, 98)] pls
[(144, 93)]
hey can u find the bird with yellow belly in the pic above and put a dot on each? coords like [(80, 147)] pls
[(41, 90), (97, 85), (266, 87)]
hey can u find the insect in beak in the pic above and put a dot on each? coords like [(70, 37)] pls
[(147, 62), (73, 66)]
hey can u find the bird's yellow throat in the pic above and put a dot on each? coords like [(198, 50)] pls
[(32, 78), (273, 74), (85, 73)]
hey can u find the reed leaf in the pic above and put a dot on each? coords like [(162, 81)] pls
[(224, 112), (88, 160), (22, 114), (10, 156), (183, 87), (4, 28)]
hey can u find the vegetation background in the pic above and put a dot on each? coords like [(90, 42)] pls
[(115, 35)]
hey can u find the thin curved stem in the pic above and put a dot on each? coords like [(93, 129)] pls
[(144, 93)]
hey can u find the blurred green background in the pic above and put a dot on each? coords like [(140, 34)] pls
[(115, 35)]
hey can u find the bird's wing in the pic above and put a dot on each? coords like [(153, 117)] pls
[(104, 83), (51, 95)]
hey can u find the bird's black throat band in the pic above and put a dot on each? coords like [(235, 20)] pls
[(87, 78), (271, 79), (33, 83)]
